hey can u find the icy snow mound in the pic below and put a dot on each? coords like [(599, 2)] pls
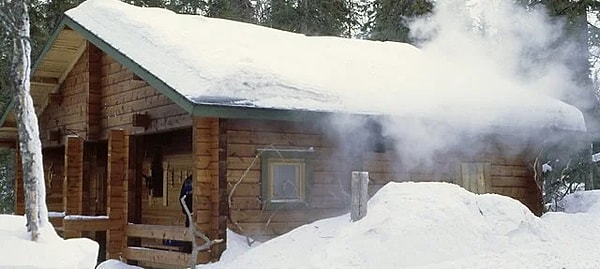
[(582, 202), (416, 225), (51, 252)]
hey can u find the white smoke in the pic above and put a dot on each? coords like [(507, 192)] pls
[(495, 48), (501, 39)]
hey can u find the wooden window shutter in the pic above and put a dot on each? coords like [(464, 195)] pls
[(475, 177)]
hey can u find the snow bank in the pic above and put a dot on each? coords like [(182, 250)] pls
[(51, 252), (251, 66), (236, 246), (581, 202), (435, 225)]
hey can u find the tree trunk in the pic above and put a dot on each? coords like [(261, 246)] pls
[(29, 135)]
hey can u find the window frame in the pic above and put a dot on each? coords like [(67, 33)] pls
[(268, 159)]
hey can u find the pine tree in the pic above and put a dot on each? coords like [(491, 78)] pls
[(390, 18), (311, 17), (240, 10), (7, 179)]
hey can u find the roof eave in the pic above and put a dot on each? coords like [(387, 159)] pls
[(241, 112)]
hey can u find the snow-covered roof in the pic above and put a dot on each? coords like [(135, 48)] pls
[(216, 62)]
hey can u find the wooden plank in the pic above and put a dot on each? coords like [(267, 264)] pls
[(87, 224), (276, 139), (274, 126), (508, 181), (157, 256), (159, 232), (510, 170)]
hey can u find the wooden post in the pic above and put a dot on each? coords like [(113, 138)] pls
[(117, 185), (73, 180), (206, 186), (359, 186), (219, 187), (19, 191)]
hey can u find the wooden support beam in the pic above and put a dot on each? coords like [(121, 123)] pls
[(118, 149), (210, 180), (45, 81), (219, 215), (73, 180)]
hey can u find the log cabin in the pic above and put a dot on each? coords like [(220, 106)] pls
[(269, 124)]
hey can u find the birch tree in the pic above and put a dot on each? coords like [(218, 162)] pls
[(14, 19)]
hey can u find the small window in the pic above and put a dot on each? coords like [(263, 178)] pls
[(475, 177), (285, 176), (287, 180)]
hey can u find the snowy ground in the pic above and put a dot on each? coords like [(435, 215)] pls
[(408, 225), (51, 252), (438, 225)]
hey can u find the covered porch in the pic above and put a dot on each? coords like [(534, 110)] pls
[(124, 193)]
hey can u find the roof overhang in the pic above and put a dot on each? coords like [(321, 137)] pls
[(51, 68)]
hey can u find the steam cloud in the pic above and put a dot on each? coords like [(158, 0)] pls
[(509, 57)]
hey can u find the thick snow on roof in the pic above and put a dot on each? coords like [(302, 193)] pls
[(215, 61)]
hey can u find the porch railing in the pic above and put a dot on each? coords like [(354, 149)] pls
[(160, 254)]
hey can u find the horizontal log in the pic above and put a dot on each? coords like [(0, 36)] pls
[(157, 256), (508, 181), (159, 232), (88, 224)]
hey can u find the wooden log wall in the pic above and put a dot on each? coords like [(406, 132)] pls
[(328, 192), (510, 170), (124, 94), (100, 94), (118, 148), (514, 177), (328, 195), (94, 113), (68, 114), (54, 165)]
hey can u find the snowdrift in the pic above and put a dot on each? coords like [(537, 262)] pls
[(51, 252), (435, 225)]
